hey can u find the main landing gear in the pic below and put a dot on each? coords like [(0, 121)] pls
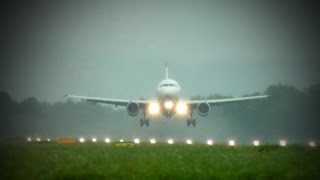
[(191, 121), (144, 121)]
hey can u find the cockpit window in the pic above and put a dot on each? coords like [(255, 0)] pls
[(162, 85)]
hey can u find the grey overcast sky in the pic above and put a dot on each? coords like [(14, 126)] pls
[(118, 49)]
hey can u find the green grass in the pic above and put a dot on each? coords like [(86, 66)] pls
[(160, 161)]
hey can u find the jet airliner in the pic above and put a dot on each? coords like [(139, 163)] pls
[(168, 103)]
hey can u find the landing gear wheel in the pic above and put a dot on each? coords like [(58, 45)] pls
[(144, 122), (141, 122), (191, 122), (194, 123)]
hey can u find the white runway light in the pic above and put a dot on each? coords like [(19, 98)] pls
[(189, 141), (312, 144), (121, 140), (170, 141), (256, 143), (152, 141), (283, 143), (232, 142), (82, 140), (48, 139), (210, 142), (107, 140), (38, 139), (94, 139), (136, 141), (29, 139)]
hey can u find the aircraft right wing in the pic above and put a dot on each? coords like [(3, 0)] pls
[(116, 102)]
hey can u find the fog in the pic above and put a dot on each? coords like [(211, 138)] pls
[(288, 114), (118, 49)]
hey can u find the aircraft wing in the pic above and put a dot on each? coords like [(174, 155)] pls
[(116, 102), (214, 102)]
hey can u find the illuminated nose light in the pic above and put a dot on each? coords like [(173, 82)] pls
[(232, 142), (170, 141), (154, 108), (256, 143), (94, 139), (168, 105), (48, 139), (82, 140), (181, 108), (121, 140), (312, 144), (210, 142), (283, 143), (38, 139), (189, 141), (136, 141), (107, 140), (152, 141)]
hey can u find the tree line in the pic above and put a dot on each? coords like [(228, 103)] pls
[(288, 112)]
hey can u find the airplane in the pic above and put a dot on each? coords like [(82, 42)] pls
[(168, 103)]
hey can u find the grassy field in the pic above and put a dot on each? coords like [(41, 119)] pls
[(160, 161)]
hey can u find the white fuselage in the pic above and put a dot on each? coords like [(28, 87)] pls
[(168, 91)]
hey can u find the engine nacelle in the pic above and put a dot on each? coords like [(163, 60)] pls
[(203, 109), (133, 108)]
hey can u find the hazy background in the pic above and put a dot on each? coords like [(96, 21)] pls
[(118, 49)]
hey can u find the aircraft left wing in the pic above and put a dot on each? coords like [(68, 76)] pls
[(116, 102), (214, 102)]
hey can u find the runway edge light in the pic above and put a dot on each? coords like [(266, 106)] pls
[(189, 141), (152, 141), (232, 142), (283, 143), (256, 143), (312, 143), (82, 140), (107, 140), (136, 141), (170, 141)]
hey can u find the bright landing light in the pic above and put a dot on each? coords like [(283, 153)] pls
[(170, 141), (136, 141), (168, 105), (82, 140), (189, 141), (38, 139), (232, 142), (181, 108), (29, 139), (154, 108), (94, 139), (121, 140), (152, 141), (256, 143)]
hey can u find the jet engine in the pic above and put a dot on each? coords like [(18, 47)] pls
[(132, 108), (203, 109)]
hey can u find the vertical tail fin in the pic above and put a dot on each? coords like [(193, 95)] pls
[(167, 73)]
